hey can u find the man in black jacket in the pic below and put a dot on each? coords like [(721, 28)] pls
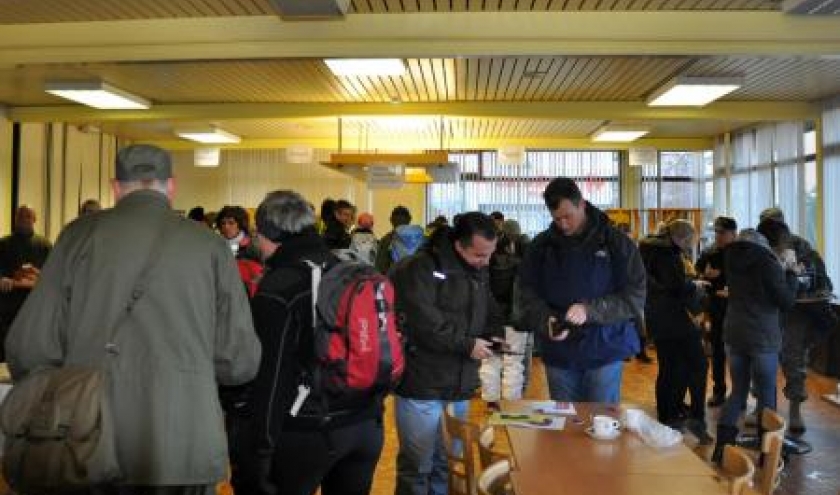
[(709, 266), (337, 448), (443, 294), (22, 254)]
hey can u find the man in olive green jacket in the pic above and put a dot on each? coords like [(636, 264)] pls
[(190, 328)]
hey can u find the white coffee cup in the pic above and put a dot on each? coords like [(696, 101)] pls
[(605, 426)]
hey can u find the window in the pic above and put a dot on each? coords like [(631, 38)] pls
[(682, 179), (517, 191), (831, 191), (769, 166)]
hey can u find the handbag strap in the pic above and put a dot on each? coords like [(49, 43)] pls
[(141, 283)]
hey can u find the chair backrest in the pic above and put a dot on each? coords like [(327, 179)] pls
[(738, 468), (772, 440), (495, 479), (486, 452), (460, 439)]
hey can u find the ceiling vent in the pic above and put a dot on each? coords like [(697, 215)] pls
[(811, 7), (310, 10)]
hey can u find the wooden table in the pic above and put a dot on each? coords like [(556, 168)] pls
[(569, 462)]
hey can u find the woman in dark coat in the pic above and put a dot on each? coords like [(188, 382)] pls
[(672, 297), (760, 287)]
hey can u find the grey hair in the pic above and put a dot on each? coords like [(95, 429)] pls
[(680, 229), (754, 236), (129, 186), (283, 214)]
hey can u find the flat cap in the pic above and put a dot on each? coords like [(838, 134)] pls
[(143, 162)]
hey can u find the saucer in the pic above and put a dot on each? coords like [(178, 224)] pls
[(612, 436)]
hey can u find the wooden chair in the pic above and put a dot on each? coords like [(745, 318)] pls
[(769, 475), (495, 479), (486, 453), (460, 438), (739, 469)]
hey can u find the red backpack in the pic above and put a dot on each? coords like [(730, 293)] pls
[(358, 347)]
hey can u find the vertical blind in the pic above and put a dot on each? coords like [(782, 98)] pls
[(767, 169), (516, 190), (831, 189)]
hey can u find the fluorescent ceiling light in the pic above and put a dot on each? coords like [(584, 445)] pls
[(97, 94), (619, 133), (693, 91), (366, 66), (208, 135)]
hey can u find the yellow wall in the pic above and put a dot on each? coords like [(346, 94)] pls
[(412, 196), (61, 167)]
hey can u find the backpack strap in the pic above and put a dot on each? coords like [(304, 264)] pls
[(140, 284), (316, 271)]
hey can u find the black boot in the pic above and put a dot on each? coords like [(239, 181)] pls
[(726, 435)]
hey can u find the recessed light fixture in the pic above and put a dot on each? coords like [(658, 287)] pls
[(619, 133), (693, 91), (97, 94), (208, 135), (366, 66)]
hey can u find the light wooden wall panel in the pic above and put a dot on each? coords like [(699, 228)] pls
[(60, 168), (32, 187), (5, 176)]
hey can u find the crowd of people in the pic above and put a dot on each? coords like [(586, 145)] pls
[(214, 365)]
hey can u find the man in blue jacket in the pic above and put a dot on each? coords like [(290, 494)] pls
[(582, 283)]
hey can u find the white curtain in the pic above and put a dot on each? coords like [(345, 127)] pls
[(767, 170), (790, 188), (831, 190), (721, 164)]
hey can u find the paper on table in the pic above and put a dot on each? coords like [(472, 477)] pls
[(527, 420), (553, 407)]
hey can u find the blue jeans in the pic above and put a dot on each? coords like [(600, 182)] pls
[(743, 366), (421, 461), (596, 385)]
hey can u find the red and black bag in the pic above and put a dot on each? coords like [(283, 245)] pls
[(358, 346)]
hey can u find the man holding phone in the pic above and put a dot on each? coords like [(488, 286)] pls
[(582, 282)]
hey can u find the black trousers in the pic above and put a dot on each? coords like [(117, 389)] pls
[(718, 355), (340, 461), (682, 364)]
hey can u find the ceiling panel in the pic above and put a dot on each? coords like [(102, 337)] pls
[(31, 11), (776, 78), (512, 79)]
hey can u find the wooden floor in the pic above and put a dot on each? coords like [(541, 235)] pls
[(817, 473)]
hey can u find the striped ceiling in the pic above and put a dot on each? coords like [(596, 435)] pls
[(32, 11), (433, 80)]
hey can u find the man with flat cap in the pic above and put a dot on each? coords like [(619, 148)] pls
[(800, 335), (188, 328)]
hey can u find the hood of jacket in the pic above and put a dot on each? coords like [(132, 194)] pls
[(748, 255), (658, 242)]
